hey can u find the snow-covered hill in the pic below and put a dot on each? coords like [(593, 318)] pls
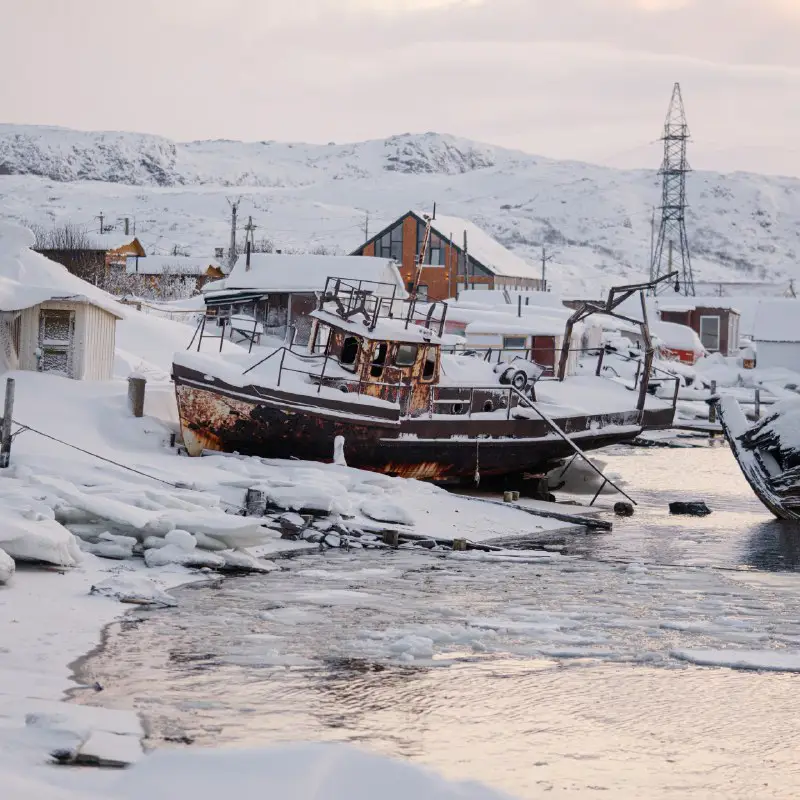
[(594, 220)]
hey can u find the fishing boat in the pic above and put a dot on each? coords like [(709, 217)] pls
[(768, 453), (373, 375)]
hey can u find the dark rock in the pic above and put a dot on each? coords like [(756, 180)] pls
[(428, 544), (695, 508), (623, 509)]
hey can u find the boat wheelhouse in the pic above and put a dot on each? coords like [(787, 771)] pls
[(374, 375)]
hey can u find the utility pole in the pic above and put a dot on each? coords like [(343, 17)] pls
[(466, 260), (366, 226), (101, 217), (127, 226), (545, 259), (673, 171), (232, 249), (249, 241)]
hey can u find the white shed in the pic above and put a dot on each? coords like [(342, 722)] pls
[(51, 321), (69, 336)]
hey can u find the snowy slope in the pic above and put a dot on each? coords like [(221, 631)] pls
[(594, 220)]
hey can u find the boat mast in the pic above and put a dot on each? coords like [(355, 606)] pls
[(421, 260)]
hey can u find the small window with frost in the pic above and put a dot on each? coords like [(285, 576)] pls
[(514, 342), (429, 369), (349, 351), (709, 332), (379, 360), (406, 355)]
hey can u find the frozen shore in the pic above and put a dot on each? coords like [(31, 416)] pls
[(48, 618)]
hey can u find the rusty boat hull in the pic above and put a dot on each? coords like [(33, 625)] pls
[(272, 423)]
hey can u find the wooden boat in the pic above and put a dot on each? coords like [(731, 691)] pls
[(403, 406), (768, 453)]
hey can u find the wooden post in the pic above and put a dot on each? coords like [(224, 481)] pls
[(712, 407), (255, 503), (5, 429), (459, 544), (136, 385), (392, 538), (758, 403)]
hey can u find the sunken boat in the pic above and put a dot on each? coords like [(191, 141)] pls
[(768, 453), (377, 370)]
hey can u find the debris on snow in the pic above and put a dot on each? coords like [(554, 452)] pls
[(695, 508)]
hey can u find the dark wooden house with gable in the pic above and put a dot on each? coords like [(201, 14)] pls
[(460, 255)]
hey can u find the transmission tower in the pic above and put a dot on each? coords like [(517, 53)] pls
[(671, 252)]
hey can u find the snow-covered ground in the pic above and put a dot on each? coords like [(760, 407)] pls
[(594, 220)]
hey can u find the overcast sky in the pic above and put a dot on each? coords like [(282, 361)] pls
[(582, 79)]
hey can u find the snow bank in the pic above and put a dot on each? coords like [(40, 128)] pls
[(289, 772)]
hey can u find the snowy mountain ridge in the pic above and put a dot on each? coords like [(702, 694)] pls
[(61, 154), (594, 221)]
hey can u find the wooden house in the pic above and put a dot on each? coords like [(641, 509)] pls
[(459, 255), (716, 325), (169, 273), (102, 255)]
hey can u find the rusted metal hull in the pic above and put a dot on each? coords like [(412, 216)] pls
[(271, 423)]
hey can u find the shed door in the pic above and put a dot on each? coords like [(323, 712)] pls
[(56, 338)]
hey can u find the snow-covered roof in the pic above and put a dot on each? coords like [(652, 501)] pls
[(279, 272), (676, 336), (777, 321), (174, 265), (112, 240), (483, 248), (508, 298), (28, 278), (521, 326)]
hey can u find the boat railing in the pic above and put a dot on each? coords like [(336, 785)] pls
[(578, 453), (377, 300)]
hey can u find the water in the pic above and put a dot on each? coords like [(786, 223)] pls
[(549, 676)]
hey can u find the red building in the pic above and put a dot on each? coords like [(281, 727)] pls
[(459, 255)]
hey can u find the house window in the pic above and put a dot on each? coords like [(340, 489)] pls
[(406, 355), (709, 333), (514, 342), (435, 254), (390, 245)]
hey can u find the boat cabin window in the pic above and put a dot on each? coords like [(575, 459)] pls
[(349, 351), (514, 342), (429, 368), (406, 355), (379, 360)]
